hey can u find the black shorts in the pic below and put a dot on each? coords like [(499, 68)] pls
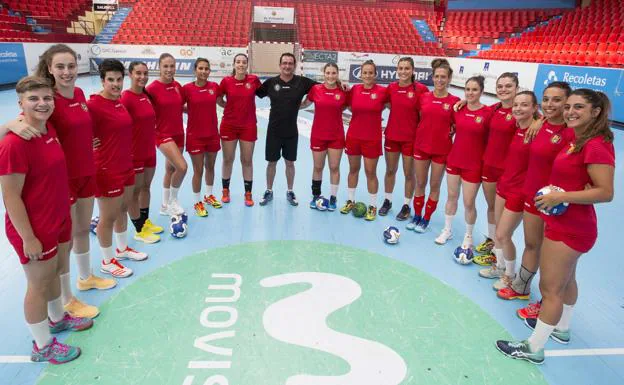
[(277, 147)]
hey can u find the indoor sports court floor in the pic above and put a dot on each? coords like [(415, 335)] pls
[(288, 295)]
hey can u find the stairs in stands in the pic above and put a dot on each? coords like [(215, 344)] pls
[(110, 30), (423, 30)]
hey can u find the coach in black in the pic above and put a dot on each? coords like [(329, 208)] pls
[(286, 92)]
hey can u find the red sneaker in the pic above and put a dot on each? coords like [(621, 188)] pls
[(508, 293), (248, 199), (225, 196), (531, 311)]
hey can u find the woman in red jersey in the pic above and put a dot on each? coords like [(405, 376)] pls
[(202, 137), (465, 160), (166, 95), (328, 138), (552, 137), (584, 169), (432, 143), (400, 134), (139, 106), (238, 124), (366, 101), (114, 176), (35, 190)]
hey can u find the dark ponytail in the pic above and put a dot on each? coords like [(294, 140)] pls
[(479, 79)]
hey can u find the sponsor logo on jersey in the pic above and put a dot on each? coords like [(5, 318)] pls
[(277, 87), (555, 139)]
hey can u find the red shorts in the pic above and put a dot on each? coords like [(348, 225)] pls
[(196, 145), (582, 244), (405, 148), (513, 202), (229, 133), (81, 187), (324, 144), (113, 185), (368, 148), (491, 174), (529, 206), (140, 165), (471, 176), (48, 241), (178, 139), (420, 155)]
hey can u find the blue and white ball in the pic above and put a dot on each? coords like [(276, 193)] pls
[(93, 225), (556, 210), (184, 217), (178, 226), (322, 203), (391, 235), (463, 256)]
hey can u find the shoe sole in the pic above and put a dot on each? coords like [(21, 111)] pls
[(146, 241), (87, 288), (474, 260), (382, 214), (552, 336), (115, 276), (488, 277), (522, 297), (401, 219), (55, 362), (124, 258), (443, 243), (519, 358)]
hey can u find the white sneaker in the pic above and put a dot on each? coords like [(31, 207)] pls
[(444, 236), (467, 243), (132, 254), (164, 209), (115, 269), (503, 282), (175, 208), (492, 272)]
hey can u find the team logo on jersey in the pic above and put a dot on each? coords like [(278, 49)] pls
[(446, 106), (277, 87), (337, 96), (84, 107), (508, 117), (410, 94), (571, 149), (373, 96), (555, 139), (248, 85), (211, 91), (478, 119)]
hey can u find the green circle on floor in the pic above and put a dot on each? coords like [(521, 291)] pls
[(290, 312)]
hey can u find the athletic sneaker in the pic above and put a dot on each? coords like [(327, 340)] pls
[(115, 269), (73, 324), (371, 213), (332, 203), (530, 311), (346, 209), (266, 198), (520, 350), (561, 336), (212, 201), (313, 201), (404, 214), (385, 207), (132, 254), (291, 198), (175, 208), (152, 228), (485, 247), (146, 236), (95, 282), (414, 222), (421, 226), (248, 199), (485, 259), (55, 353), (503, 282), (492, 272), (200, 210), (164, 209), (79, 309), (444, 236), (508, 293), (225, 195)]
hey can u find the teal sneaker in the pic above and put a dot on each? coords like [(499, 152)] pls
[(520, 350), (561, 336), (55, 353), (74, 324), (414, 222)]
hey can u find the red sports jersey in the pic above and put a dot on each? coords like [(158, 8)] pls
[(544, 148), (404, 109), (74, 128), (46, 186), (569, 171), (328, 106), (366, 106), (141, 111), (502, 129), (113, 127), (433, 135), (516, 163), (168, 104), (471, 133), (240, 107), (202, 109)]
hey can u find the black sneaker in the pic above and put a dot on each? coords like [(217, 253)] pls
[(291, 198), (404, 214), (266, 198), (385, 207)]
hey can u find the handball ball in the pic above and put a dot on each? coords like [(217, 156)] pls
[(463, 256), (322, 203), (391, 235), (178, 227), (556, 210), (93, 225)]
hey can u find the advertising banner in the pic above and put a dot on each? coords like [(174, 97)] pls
[(105, 5), (388, 74), (320, 56), (464, 68), (34, 50), (12, 63), (274, 15)]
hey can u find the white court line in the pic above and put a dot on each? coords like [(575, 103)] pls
[(584, 352), (15, 360)]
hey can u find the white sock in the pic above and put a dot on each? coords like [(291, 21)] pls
[(500, 259), (540, 335), (334, 189), (388, 196), (66, 292), (208, 190), (83, 260), (469, 229), (351, 194), (41, 333), (566, 317), (55, 309), (174, 193), (122, 240), (107, 253), (448, 222), (407, 201), (373, 200), (467, 242), (197, 196), (510, 268), (166, 195), (491, 231)]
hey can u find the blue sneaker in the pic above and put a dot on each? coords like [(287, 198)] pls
[(421, 227), (520, 350), (313, 201), (561, 336), (266, 198), (291, 198), (332, 203), (55, 353), (70, 323), (414, 222)]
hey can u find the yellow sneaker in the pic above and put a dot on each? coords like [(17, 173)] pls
[(200, 210), (212, 201), (146, 236), (371, 214), (81, 310), (152, 228), (95, 282)]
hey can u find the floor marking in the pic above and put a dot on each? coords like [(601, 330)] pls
[(584, 352), (15, 360)]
